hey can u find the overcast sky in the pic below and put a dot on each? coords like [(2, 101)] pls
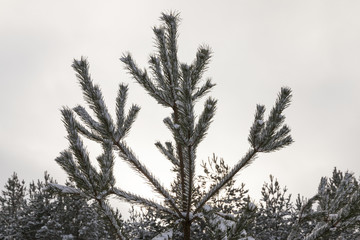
[(259, 46)]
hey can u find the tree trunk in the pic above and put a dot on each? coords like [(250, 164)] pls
[(186, 229)]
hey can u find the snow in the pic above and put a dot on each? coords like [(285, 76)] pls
[(260, 122), (164, 236), (251, 206), (207, 208), (191, 215), (179, 103), (222, 226), (68, 237), (44, 228), (64, 189)]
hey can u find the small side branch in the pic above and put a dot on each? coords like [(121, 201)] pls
[(140, 200), (246, 160), (127, 155)]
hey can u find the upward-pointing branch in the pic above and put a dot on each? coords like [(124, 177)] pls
[(126, 154)]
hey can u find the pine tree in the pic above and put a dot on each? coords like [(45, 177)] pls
[(275, 214), (39, 209), (333, 213), (44, 214), (12, 204), (176, 86)]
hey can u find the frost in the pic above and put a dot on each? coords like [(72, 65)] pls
[(251, 206), (67, 237), (101, 195), (221, 223), (207, 208), (164, 236), (176, 126), (199, 215), (226, 215), (44, 227), (179, 103), (260, 122), (64, 189), (222, 226)]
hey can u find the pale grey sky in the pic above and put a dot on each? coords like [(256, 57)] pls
[(259, 46)]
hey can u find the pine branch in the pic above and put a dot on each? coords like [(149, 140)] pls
[(265, 136), (94, 98), (185, 104), (164, 56), (176, 131), (203, 90), (245, 161), (200, 64), (274, 122), (120, 109), (172, 20), (86, 133), (124, 123), (155, 66), (257, 126), (168, 152), (65, 189), (65, 160), (130, 119), (142, 78), (126, 154), (109, 213), (85, 116), (204, 122), (142, 201), (77, 148), (166, 43), (106, 163)]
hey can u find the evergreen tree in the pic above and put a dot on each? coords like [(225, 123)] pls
[(333, 213), (12, 204), (275, 215), (88, 222), (39, 209), (176, 86), (43, 214)]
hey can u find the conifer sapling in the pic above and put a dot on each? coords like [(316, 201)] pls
[(174, 85)]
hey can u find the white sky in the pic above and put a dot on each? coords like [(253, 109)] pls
[(259, 46)]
